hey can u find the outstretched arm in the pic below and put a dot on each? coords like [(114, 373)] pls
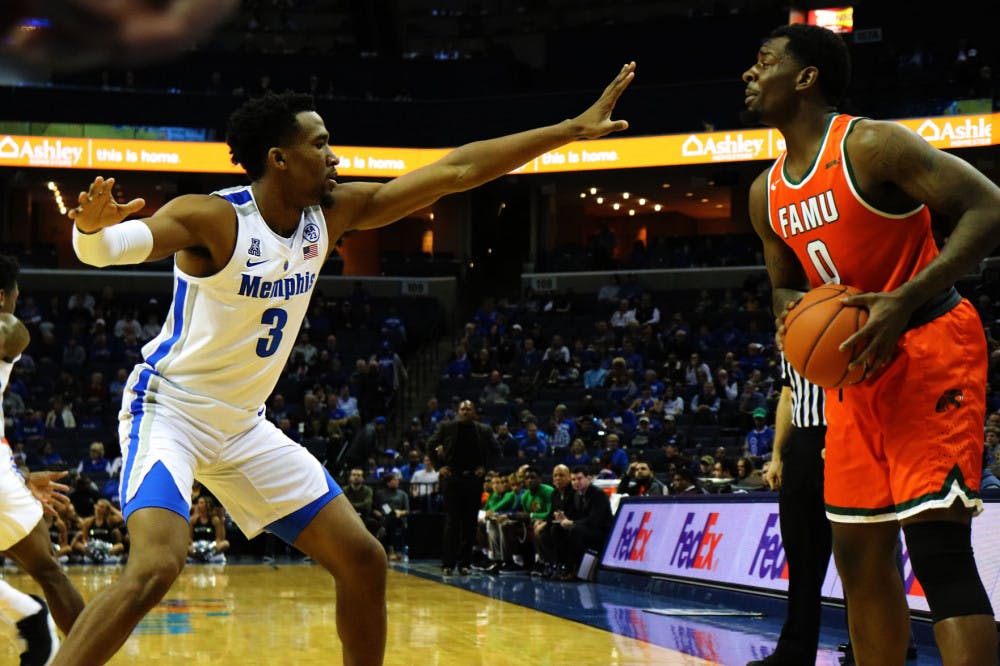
[(102, 236), (476, 163)]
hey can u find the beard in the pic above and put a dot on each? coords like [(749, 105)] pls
[(327, 200), (750, 117)]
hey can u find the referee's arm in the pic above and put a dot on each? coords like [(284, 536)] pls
[(782, 430)]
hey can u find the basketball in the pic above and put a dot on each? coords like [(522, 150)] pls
[(814, 330)]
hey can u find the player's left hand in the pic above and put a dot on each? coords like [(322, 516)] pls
[(52, 495), (887, 317), (596, 121)]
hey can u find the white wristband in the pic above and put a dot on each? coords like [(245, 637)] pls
[(129, 242)]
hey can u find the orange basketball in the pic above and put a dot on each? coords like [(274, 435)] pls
[(814, 330)]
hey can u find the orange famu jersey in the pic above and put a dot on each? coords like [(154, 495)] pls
[(837, 236)]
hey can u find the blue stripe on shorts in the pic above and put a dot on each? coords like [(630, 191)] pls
[(158, 491), (290, 527)]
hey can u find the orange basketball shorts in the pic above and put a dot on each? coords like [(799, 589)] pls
[(911, 438)]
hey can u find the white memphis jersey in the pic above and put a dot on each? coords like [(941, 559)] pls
[(227, 336), (6, 367)]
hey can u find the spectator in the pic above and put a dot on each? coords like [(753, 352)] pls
[(619, 459), (644, 436), (387, 466), (424, 482), (495, 392), (639, 481), (608, 293), (95, 466), (413, 463), (361, 497), (586, 522), (705, 405), (622, 318), (647, 313), (697, 371), (683, 483), (534, 444), (391, 506), (760, 439), (60, 416), (459, 365), (577, 455)]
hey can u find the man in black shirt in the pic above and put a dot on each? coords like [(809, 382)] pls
[(586, 523), (464, 448)]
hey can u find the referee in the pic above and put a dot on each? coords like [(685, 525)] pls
[(796, 471)]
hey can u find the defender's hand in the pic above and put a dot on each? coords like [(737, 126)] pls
[(596, 121), (98, 209)]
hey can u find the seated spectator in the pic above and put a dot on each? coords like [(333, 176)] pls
[(424, 482), (50, 458), (644, 436), (30, 427), (391, 506), (95, 465), (622, 318), (577, 455), (346, 402), (705, 405), (596, 376), (760, 440), (60, 416), (534, 444), (619, 458), (586, 523), (639, 481), (496, 391), (506, 442), (608, 293), (459, 366), (387, 466), (697, 371), (361, 498), (683, 483), (413, 463)]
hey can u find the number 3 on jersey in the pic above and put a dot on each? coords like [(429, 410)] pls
[(823, 262), (276, 318)]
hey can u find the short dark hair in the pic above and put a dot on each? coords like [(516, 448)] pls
[(534, 470), (261, 123), (9, 270), (813, 46), (581, 469)]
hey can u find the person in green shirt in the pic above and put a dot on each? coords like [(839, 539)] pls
[(535, 503), (496, 511)]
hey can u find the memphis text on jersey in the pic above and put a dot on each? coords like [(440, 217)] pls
[(812, 213), (252, 286)]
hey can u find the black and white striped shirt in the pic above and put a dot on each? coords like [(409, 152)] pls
[(807, 398)]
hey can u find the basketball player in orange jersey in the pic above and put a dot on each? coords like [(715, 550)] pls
[(847, 202)]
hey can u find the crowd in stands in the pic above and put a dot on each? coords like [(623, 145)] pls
[(345, 375), (645, 393)]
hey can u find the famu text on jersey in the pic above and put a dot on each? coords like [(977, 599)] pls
[(809, 214)]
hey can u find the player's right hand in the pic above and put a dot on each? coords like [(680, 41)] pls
[(779, 323), (773, 474), (98, 209)]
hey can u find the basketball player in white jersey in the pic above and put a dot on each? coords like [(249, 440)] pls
[(245, 262), (23, 535)]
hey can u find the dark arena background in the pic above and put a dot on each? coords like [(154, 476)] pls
[(516, 295)]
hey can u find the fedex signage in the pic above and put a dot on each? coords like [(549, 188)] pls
[(739, 543)]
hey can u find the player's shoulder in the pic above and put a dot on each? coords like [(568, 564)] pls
[(875, 135), (198, 206)]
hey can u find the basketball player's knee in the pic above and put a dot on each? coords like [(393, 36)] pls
[(941, 553)]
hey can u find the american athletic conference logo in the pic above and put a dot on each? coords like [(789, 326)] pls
[(311, 232), (634, 538)]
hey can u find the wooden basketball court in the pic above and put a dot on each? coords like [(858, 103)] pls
[(284, 615)]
